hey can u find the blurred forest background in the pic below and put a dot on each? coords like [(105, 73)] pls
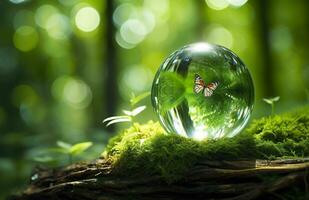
[(65, 65)]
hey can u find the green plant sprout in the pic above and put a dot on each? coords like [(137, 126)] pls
[(271, 101), (129, 114), (72, 150), (44, 159)]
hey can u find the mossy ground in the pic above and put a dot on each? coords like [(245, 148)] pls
[(148, 150)]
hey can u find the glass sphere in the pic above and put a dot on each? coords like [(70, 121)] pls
[(203, 91)]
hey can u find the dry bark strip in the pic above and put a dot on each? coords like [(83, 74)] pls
[(234, 180)]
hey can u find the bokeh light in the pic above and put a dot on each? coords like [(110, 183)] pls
[(133, 31), (137, 78), (159, 7), (122, 13), (222, 4), (18, 1), (217, 4), (58, 26), (121, 42), (237, 3), (25, 38), (220, 35), (43, 13), (87, 19), (134, 24), (74, 92)]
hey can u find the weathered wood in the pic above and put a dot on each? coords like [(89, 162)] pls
[(207, 179)]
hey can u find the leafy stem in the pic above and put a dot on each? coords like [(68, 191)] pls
[(72, 150), (128, 114), (271, 102)]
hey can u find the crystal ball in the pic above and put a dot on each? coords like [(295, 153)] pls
[(203, 91)]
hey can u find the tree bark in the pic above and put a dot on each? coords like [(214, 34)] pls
[(207, 179)]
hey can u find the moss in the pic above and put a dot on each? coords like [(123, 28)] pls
[(285, 135), (148, 150)]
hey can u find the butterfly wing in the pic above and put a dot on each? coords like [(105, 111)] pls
[(208, 91), (199, 84), (198, 88)]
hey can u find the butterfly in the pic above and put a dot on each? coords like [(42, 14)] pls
[(200, 85)]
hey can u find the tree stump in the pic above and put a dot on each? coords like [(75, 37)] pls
[(206, 180)]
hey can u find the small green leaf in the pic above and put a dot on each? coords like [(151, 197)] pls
[(134, 100), (80, 147), (63, 145), (271, 100), (114, 117), (127, 112), (43, 159), (138, 110), (275, 99), (127, 119), (268, 101)]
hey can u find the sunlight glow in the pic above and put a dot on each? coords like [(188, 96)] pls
[(201, 47), (87, 19), (199, 135)]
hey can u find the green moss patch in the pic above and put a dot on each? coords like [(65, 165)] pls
[(285, 135), (148, 150)]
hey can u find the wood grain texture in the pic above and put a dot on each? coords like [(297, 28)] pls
[(206, 180)]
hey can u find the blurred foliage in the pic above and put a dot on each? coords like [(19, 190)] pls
[(55, 63)]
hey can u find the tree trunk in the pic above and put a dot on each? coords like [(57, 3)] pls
[(110, 85), (264, 30)]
